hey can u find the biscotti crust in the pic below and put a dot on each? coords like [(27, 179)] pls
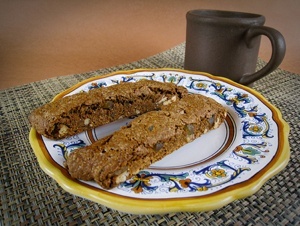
[(86, 110), (147, 139)]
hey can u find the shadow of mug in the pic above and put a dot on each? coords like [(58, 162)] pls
[(226, 43)]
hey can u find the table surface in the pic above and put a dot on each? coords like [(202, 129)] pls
[(28, 196), (44, 39)]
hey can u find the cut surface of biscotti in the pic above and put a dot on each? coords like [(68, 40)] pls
[(82, 111), (147, 139)]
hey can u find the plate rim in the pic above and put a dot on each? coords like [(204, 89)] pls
[(188, 204)]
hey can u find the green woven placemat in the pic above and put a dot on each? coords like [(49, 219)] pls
[(30, 197)]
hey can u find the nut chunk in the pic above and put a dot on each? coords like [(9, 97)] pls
[(83, 111), (147, 139)]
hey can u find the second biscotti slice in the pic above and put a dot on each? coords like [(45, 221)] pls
[(82, 111), (147, 139)]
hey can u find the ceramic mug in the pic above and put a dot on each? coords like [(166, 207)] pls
[(226, 43)]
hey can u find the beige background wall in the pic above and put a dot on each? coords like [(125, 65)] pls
[(43, 39)]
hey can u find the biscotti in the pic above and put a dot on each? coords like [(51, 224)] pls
[(147, 139), (82, 111)]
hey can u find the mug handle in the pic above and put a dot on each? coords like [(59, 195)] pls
[(278, 51)]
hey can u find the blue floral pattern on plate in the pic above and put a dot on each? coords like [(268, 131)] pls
[(254, 142)]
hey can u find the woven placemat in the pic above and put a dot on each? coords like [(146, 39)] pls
[(30, 197)]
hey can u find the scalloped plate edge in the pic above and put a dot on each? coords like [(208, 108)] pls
[(159, 206)]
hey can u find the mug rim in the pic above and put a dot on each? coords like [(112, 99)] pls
[(224, 16)]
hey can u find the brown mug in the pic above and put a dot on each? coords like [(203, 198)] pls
[(226, 43)]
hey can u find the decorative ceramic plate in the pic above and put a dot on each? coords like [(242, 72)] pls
[(226, 164)]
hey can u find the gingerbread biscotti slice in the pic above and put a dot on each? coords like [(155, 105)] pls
[(82, 111), (147, 139)]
